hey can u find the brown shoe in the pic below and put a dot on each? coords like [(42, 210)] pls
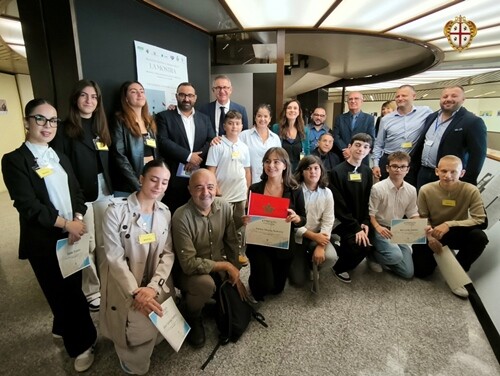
[(243, 260)]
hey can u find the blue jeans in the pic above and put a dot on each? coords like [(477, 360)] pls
[(397, 257)]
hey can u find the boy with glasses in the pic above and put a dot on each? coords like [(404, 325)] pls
[(392, 198)]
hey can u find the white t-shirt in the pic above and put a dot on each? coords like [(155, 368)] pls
[(230, 161)]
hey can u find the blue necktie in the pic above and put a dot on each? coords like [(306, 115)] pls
[(353, 121)]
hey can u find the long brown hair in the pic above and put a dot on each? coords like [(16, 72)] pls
[(288, 179), (73, 126), (299, 122), (127, 115)]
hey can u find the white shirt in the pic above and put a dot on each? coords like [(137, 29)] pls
[(319, 212), (388, 202), (258, 148), (230, 160), (189, 126)]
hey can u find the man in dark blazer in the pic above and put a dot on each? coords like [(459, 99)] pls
[(451, 131), (184, 136), (350, 123), (222, 90)]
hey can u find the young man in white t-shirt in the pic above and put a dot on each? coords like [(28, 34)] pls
[(230, 161)]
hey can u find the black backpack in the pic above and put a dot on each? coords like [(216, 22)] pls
[(232, 316)]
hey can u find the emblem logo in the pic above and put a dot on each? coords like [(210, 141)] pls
[(460, 33)]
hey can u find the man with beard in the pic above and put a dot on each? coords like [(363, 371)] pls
[(317, 127), (184, 137), (452, 131)]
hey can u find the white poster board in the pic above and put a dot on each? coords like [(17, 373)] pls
[(160, 72)]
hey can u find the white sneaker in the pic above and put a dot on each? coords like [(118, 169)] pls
[(85, 359), (461, 292), (94, 305), (374, 266)]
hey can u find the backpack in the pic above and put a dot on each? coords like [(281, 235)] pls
[(232, 316)]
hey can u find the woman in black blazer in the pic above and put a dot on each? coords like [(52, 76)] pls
[(85, 139), (50, 204), (269, 267), (134, 139)]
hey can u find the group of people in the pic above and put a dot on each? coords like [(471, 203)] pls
[(164, 197)]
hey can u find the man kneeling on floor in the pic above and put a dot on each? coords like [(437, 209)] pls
[(456, 217), (207, 249)]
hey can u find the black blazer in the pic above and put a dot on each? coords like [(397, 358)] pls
[(465, 137), (172, 138), (85, 160), (37, 214), (209, 110)]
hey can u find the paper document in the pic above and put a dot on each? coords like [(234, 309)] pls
[(408, 231), (74, 257), (171, 325)]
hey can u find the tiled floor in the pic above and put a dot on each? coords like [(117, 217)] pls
[(379, 325)]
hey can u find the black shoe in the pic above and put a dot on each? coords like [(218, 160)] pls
[(196, 336)]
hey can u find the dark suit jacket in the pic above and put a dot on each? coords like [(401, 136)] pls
[(209, 110), (37, 214), (85, 160), (465, 137), (174, 147), (342, 132)]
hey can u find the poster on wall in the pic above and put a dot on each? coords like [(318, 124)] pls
[(159, 71), (3, 107)]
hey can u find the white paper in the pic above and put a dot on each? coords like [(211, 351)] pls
[(172, 326), (267, 231), (408, 231), (453, 273), (73, 258)]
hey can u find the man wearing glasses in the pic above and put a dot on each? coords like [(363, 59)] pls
[(317, 127), (350, 123), (184, 137), (218, 109), (392, 198)]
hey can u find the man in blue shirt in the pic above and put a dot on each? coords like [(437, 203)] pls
[(317, 127), (399, 131)]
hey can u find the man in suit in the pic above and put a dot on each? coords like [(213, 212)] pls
[(184, 136), (451, 131), (218, 109), (350, 123)]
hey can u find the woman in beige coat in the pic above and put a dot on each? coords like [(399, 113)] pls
[(136, 279)]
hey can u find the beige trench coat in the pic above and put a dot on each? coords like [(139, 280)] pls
[(127, 262)]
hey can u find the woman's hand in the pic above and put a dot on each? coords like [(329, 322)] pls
[(145, 301), (75, 230), (292, 216)]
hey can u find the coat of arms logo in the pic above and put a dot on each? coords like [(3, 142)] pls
[(460, 33)]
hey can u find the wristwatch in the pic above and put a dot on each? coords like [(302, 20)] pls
[(79, 216)]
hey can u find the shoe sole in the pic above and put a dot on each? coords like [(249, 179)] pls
[(342, 279)]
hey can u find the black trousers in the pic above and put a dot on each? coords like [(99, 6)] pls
[(66, 300), (426, 175), (470, 242), (350, 254), (269, 268)]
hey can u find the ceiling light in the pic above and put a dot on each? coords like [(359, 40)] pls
[(468, 91), (482, 95), (11, 31)]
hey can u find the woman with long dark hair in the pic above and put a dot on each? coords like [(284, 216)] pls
[(85, 139)]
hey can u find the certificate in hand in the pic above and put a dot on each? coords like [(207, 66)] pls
[(171, 325), (408, 231), (74, 257), (267, 225)]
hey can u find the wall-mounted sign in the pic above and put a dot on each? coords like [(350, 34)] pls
[(460, 33)]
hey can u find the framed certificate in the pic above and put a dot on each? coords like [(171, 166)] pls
[(408, 231)]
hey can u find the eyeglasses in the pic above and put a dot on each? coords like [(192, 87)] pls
[(41, 120), (184, 96), (219, 88), (397, 167), (320, 115)]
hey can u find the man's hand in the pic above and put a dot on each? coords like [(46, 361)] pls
[(319, 255), (346, 153), (384, 232), (242, 290), (233, 273), (376, 172), (216, 140), (196, 159), (434, 244), (440, 230)]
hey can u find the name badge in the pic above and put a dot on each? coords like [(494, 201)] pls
[(449, 203), (235, 155), (355, 176), (151, 142), (101, 146), (406, 145), (147, 238), (44, 171)]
